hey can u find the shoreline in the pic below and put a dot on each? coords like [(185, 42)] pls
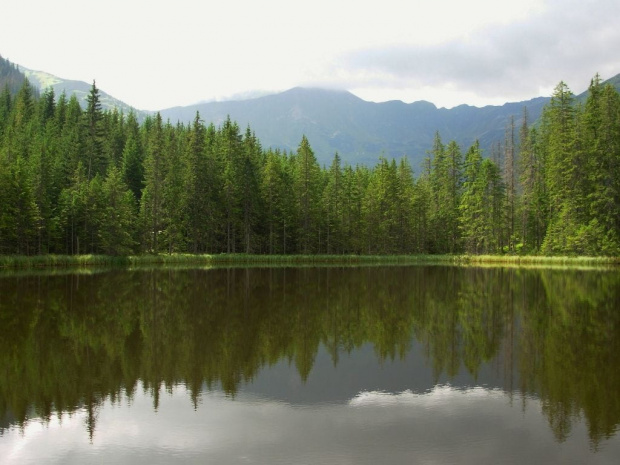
[(19, 262)]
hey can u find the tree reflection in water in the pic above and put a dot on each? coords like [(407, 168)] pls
[(70, 342)]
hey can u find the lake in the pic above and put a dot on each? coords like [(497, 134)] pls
[(309, 365)]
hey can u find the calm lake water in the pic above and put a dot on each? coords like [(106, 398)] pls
[(369, 365)]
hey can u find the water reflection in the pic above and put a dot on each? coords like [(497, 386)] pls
[(464, 426), (73, 344)]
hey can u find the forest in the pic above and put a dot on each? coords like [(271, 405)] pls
[(79, 180)]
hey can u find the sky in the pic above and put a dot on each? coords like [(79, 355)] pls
[(445, 425), (155, 54)]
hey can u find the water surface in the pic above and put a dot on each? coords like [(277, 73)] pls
[(311, 365)]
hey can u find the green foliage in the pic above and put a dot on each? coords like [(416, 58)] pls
[(446, 179), (93, 121), (333, 213), (552, 334), (11, 78), (116, 230), (307, 182), (207, 189)]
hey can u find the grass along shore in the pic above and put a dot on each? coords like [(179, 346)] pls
[(81, 261)]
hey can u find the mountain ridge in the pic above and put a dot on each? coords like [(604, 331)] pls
[(43, 80), (336, 120), (359, 130)]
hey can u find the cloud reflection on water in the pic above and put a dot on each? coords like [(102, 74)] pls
[(444, 425)]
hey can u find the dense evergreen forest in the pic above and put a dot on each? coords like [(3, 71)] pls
[(79, 180)]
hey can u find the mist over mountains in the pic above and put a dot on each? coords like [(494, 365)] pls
[(338, 121), (360, 131)]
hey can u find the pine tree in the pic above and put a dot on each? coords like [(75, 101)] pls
[(445, 178), (199, 185), (94, 160), (290, 206), (174, 202), (494, 200), (71, 145), (250, 198), (46, 107), (19, 214), (405, 208), (151, 206), (332, 207), (600, 233), (41, 179), (482, 204), (421, 207), (452, 196), (307, 183), (73, 212), (471, 207), (379, 207), (117, 227), (24, 106), (353, 187), (6, 102), (437, 177), (533, 199), (230, 149), (510, 176), (22, 126), (274, 193), (563, 177), (132, 164), (114, 137)]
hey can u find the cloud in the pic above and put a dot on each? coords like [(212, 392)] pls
[(446, 51), (444, 425), (568, 41)]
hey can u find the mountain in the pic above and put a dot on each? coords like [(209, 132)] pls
[(360, 131), (10, 76), (43, 80), (338, 121)]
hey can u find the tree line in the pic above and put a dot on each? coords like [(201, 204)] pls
[(79, 180)]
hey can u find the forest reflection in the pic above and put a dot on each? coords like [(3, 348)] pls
[(71, 342)]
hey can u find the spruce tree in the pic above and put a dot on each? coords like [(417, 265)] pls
[(307, 183), (94, 135), (274, 193), (533, 199), (332, 207), (564, 182), (600, 233), (151, 205), (250, 197), (116, 231), (472, 207)]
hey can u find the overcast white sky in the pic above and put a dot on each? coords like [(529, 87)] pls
[(154, 54)]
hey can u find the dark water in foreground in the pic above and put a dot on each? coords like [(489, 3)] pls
[(311, 365)]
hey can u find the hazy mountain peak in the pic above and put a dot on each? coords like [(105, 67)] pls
[(336, 120), (317, 92), (43, 80)]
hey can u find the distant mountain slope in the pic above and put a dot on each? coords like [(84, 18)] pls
[(43, 80), (10, 76), (338, 121), (361, 131)]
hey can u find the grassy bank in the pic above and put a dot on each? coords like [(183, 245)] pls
[(59, 261), (537, 260), (82, 261)]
